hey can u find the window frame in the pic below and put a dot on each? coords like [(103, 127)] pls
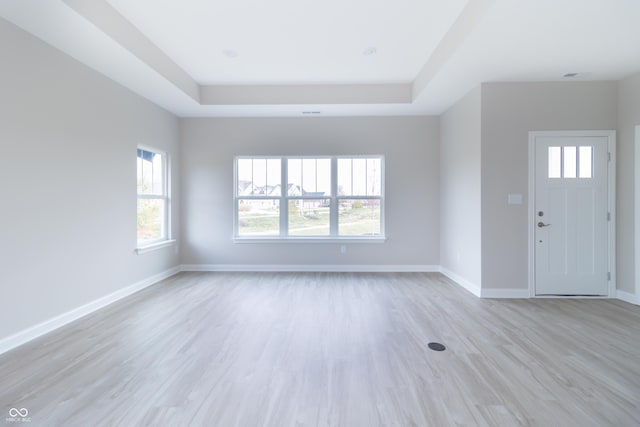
[(165, 238), (577, 168), (284, 198)]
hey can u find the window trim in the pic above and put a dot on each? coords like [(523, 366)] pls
[(334, 198), (166, 238), (154, 246)]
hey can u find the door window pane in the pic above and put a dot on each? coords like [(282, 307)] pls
[(586, 162), (569, 163), (555, 165)]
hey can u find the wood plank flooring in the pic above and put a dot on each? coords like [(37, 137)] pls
[(331, 349)]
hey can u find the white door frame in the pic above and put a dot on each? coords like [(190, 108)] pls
[(611, 178)]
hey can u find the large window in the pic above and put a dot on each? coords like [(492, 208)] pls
[(322, 197), (153, 199)]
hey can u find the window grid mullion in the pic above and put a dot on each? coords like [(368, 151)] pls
[(163, 171), (167, 193), (351, 192), (359, 197), (366, 177), (284, 194), (258, 197), (142, 177), (334, 211)]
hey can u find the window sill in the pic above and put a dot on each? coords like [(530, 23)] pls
[(154, 246), (313, 240)]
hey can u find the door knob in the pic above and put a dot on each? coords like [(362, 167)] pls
[(542, 224)]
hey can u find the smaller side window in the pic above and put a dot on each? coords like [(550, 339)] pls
[(153, 198)]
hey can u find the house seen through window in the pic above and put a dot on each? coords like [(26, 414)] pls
[(322, 197)]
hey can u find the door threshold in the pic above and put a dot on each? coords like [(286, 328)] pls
[(571, 296)]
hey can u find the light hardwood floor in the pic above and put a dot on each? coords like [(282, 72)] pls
[(331, 349)]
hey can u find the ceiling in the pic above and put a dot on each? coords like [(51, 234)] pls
[(294, 41), (250, 58)]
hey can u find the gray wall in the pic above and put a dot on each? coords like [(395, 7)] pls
[(460, 192), (67, 180), (628, 118), (410, 146), (509, 112)]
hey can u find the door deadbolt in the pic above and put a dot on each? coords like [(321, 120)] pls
[(540, 213)]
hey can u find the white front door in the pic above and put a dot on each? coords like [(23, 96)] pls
[(571, 228)]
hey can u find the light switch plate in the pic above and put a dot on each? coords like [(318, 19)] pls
[(514, 199)]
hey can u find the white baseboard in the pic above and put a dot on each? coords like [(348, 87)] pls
[(409, 268), (627, 297), (47, 326), (505, 293), (469, 286)]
